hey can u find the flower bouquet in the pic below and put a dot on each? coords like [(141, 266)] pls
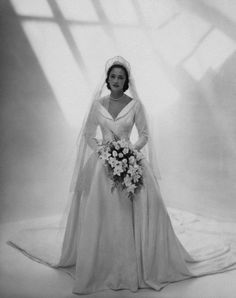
[(123, 165)]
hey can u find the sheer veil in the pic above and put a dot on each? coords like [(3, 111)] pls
[(84, 151)]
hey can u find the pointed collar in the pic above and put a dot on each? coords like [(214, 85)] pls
[(121, 114)]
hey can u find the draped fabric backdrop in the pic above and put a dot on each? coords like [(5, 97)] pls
[(183, 56)]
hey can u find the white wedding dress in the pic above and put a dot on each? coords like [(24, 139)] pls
[(115, 243)]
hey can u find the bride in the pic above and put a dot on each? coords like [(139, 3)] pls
[(111, 241)]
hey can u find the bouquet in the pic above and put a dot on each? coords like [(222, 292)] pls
[(123, 165)]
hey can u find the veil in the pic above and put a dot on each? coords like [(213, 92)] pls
[(83, 148)]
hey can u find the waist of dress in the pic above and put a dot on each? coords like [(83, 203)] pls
[(117, 138)]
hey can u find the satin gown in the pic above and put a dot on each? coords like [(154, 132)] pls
[(115, 243)]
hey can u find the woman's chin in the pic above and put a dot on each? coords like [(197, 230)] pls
[(116, 90)]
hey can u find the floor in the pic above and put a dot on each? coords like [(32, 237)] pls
[(20, 277)]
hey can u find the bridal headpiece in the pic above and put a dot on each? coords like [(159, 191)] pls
[(118, 60)]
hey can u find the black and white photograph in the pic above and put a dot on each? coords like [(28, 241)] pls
[(118, 148)]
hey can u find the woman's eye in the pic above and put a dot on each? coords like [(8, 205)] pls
[(113, 77)]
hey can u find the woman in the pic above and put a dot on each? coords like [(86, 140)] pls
[(114, 242)]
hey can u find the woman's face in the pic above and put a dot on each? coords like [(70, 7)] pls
[(117, 79)]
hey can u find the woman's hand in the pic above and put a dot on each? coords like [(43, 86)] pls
[(134, 147)]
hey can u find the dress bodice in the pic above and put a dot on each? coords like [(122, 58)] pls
[(132, 114), (121, 125)]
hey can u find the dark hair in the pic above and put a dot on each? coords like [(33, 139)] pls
[(126, 84)]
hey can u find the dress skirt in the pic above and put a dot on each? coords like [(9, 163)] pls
[(118, 243)]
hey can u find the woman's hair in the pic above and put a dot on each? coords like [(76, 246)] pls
[(126, 84)]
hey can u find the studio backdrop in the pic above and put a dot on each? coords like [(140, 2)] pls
[(183, 56)]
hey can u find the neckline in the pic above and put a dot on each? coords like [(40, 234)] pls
[(122, 110)]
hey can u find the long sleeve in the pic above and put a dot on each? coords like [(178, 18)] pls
[(142, 127), (91, 127)]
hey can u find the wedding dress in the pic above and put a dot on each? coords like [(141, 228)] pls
[(113, 242), (119, 244)]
